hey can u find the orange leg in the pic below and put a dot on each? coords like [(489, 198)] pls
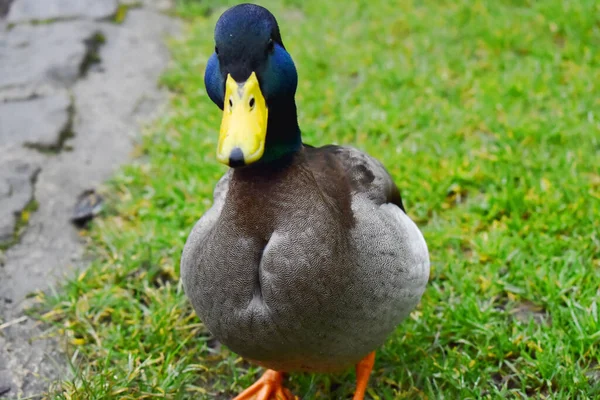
[(363, 371), (268, 387)]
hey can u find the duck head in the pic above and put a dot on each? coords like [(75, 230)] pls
[(252, 78)]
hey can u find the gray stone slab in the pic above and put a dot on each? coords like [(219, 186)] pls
[(6, 384), (35, 60), (16, 191), (109, 101), (48, 10), (24, 358), (41, 122)]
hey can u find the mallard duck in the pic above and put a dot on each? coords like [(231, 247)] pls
[(306, 260)]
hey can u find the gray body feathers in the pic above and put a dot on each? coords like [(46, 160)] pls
[(309, 268)]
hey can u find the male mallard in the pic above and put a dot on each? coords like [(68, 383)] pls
[(306, 260)]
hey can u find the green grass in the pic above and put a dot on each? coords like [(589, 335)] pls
[(487, 113)]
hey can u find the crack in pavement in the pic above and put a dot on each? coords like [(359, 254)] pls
[(92, 54), (17, 197)]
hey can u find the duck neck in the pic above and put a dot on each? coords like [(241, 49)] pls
[(283, 133)]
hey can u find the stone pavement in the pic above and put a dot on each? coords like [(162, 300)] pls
[(74, 88)]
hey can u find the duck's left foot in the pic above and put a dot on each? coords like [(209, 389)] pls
[(363, 371), (268, 387)]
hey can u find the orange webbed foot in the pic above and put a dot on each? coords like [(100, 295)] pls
[(268, 387), (363, 371)]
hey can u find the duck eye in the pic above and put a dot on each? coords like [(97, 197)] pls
[(251, 104), (270, 45), (216, 50)]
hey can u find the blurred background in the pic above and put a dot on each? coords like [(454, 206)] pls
[(485, 112)]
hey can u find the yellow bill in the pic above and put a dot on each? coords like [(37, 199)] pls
[(244, 125)]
